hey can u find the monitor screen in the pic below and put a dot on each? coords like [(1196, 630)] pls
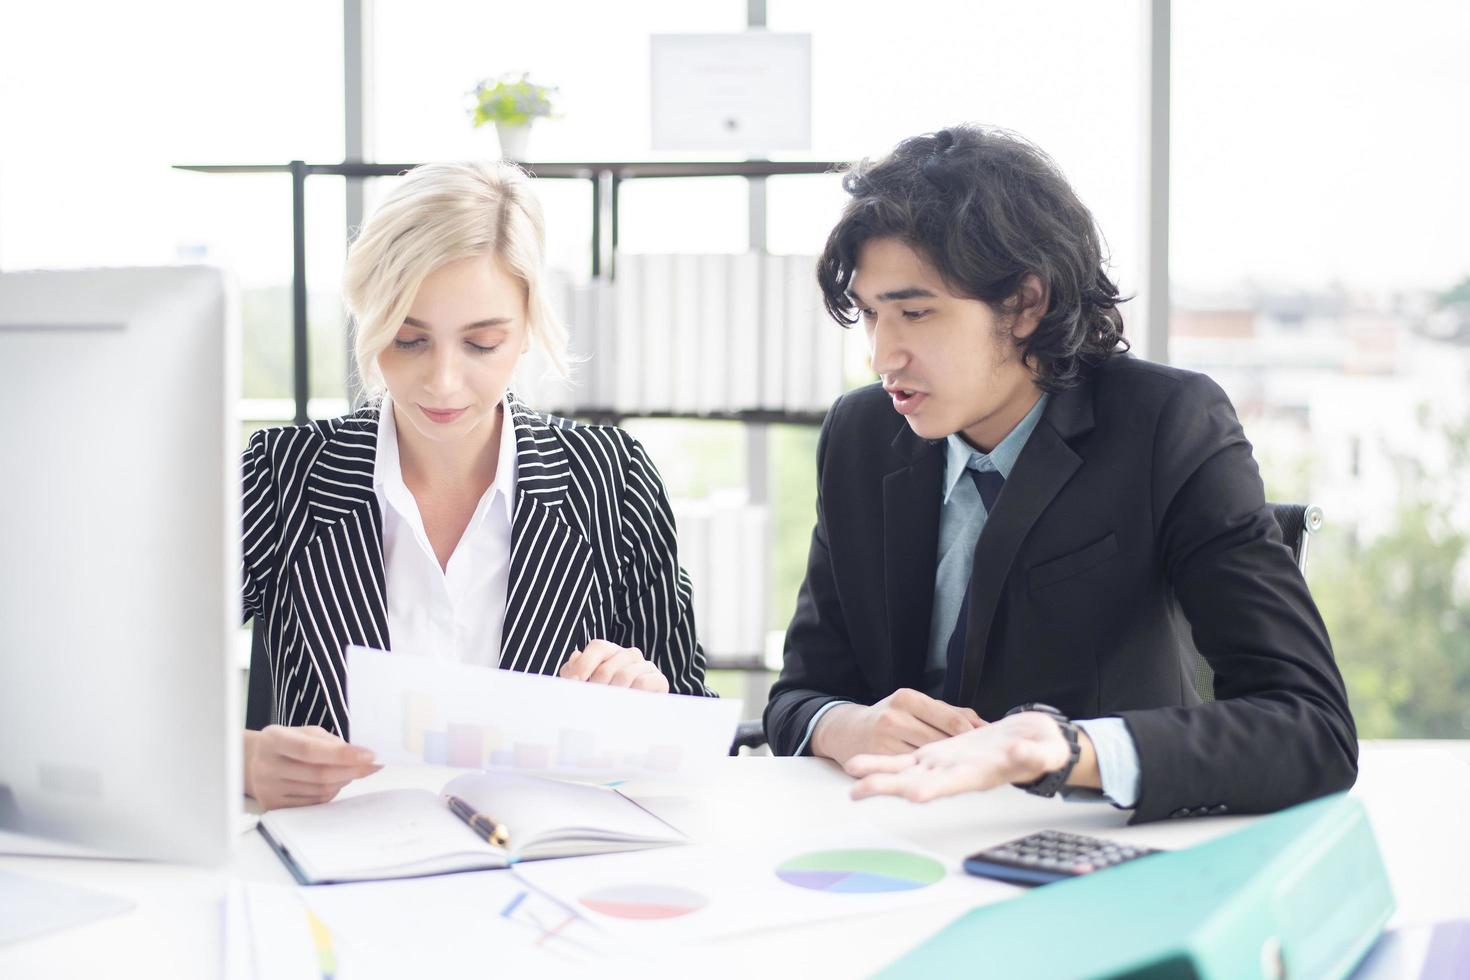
[(119, 584)]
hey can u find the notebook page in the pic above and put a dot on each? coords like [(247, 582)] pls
[(401, 831), (546, 815)]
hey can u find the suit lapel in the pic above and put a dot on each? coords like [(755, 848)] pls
[(1045, 465), (336, 573), (551, 566), (910, 552)]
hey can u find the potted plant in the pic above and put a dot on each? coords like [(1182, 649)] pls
[(511, 101)]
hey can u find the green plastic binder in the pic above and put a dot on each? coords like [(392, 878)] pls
[(1302, 893)]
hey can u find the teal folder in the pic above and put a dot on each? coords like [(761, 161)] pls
[(1302, 893)]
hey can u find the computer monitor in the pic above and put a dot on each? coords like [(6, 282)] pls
[(119, 560)]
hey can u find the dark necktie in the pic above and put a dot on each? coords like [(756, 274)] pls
[(989, 484)]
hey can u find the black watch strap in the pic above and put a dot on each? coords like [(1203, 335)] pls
[(1051, 782)]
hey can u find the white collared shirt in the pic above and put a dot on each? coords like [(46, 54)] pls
[(457, 612)]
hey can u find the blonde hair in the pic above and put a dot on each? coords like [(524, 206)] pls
[(440, 213)]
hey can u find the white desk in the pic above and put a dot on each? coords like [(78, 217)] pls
[(1417, 794)]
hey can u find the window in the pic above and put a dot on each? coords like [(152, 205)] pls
[(1320, 228)]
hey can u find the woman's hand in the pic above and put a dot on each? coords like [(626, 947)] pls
[(300, 766), (607, 663)]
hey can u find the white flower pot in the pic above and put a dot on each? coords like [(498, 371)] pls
[(514, 138)]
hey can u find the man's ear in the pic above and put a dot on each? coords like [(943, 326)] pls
[(1030, 303)]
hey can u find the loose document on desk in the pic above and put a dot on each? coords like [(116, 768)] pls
[(701, 892), (445, 927), (411, 709)]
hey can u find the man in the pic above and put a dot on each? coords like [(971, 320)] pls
[(1019, 513)]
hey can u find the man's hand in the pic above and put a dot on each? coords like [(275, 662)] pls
[(901, 722), (299, 766), (607, 663), (1017, 749)]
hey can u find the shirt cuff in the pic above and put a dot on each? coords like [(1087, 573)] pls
[(811, 726), (1117, 759)]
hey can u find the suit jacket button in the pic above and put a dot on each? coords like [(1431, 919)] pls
[(1199, 811), (1218, 809), (1183, 811)]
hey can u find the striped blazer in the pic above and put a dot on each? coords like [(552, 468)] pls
[(593, 556)]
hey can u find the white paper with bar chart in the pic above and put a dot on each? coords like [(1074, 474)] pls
[(410, 709)]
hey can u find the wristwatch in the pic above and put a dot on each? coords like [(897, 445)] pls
[(1051, 782)]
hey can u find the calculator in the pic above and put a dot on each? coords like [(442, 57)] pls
[(1050, 855)]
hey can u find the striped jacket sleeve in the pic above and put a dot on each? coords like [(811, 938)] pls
[(258, 533), (657, 611)]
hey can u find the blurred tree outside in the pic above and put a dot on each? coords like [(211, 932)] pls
[(1398, 607)]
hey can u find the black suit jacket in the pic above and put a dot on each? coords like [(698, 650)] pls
[(1136, 500), (593, 556)]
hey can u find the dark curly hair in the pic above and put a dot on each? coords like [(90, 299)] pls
[(986, 208)]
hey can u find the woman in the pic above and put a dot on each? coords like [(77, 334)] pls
[(448, 519)]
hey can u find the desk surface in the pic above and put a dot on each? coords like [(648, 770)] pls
[(1417, 795)]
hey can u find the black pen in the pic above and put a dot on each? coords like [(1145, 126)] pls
[(491, 830)]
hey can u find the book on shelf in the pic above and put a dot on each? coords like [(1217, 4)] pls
[(745, 333), (829, 372), (688, 334), (583, 341), (627, 328), (657, 343), (603, 367), (716, 338), (478, 821), (772, 389), (722, 541), (802, 326), (695, 335), (692, 520)]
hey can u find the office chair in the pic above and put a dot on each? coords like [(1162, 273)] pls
[(258, 693), (1298, 522)]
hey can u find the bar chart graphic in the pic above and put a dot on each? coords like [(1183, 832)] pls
[(417, 709), (644, 901), (474, 746), (860, 871)]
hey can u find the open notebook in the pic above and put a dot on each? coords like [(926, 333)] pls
[(404, 833)]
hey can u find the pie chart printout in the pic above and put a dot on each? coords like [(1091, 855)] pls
[(853, 872), (644, 901)]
